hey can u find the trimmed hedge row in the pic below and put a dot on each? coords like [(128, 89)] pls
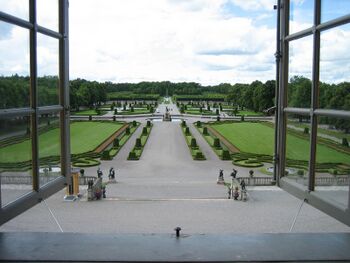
[(191, 142), (119, 142), (136, 152), (214, 142)]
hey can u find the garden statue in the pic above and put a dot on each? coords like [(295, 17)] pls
[(236, 193), (111, 176), (244, 195), (103, 191), (99, 172), (243, 185), (234, 173), (221, 179)]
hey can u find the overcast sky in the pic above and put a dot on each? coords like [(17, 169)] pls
[(206, 41)]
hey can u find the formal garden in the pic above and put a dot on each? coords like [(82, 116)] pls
[(89, 140), (140, 142), (191, 142), (251, 144)]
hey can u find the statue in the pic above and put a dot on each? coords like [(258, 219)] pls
[(111, 175), (99, 172), (221, 179), (234, 173)]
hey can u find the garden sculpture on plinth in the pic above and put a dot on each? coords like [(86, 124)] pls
[(234, 173), (236, 193), (99, 172), (221, 179), (111, 175)]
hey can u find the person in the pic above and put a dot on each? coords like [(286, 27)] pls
[(243, 185), (111, 175), (234, 173)]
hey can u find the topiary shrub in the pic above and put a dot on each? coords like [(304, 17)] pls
[(138, 143), (199, 156), (124, 107), (90, 118), (105, 155), (218, 118), (116, 142), (217, 112), (132, 156), (115, 111), (306, 130), (199, 124), (205, 131), (333, 171), (114, 118), (225, 155), (131, 109), (183, 123), (187, 131), (216, 143), (27, 131), (134, 123), (242, 118), (208, 107), (300, 172), (148, 123), (193, 143), (345, 142), (127, 130), (144, 131)]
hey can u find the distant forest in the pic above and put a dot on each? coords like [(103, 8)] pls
[(256, 96)]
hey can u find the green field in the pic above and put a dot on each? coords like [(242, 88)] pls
[(88, 112), (335, 133), (259, 139), (85, 136)]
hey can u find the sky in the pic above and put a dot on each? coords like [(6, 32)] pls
[(205, 41)]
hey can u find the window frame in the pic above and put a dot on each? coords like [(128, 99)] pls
[(39, 192), (308, 193)]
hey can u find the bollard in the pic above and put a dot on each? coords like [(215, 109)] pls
[(177, 229)]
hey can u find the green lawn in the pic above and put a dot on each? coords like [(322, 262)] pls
[(259, 138), (249, 113), (87, 113), (85, 136), (335, 133)]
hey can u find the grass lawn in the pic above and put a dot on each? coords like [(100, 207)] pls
[(335, 133), (259, 138), (87, 113), (85, 136), (249, 113)]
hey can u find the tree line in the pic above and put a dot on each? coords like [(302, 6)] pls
[(256, 96)]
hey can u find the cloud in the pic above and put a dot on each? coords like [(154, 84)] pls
[(221, 52), (178, 40), (253, 5)]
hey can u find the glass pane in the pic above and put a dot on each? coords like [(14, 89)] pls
[(333, 159), (301, 15), (334, 69), (14, 66), (49, 148), (47, 14), (47, 70), (18, 8), (300, 73), (15, 158), (298, 148), (331, 9)]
